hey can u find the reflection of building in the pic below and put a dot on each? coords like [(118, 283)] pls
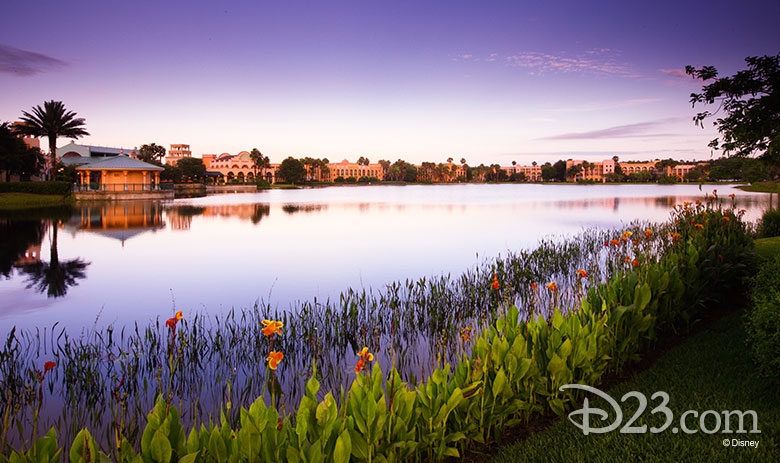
[(176, 153), (31, 255), (120, 221)]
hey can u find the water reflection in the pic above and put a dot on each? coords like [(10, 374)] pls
[(120, 221)]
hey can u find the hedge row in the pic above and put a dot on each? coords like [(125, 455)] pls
[(762, 321), (38, 188), (512, 372)]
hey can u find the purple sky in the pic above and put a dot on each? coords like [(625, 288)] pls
[(419, 80)]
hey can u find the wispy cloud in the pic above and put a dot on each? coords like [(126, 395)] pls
[(597, 61), (638, 130), (26, 63), (676, 73)]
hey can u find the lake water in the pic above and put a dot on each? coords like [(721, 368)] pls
[(124, 262)]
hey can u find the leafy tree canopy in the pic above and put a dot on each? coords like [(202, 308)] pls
[(750, 100), (291, 170), (16, 157), (151, 153)]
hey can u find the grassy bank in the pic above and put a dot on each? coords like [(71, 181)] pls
[(9, 201), (761, 187), (707, 372), (768, 247)]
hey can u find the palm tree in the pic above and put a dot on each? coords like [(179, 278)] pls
[(52, 121), (55, 277), (258, 160)]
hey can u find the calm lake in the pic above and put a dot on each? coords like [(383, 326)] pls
[(125, 262)]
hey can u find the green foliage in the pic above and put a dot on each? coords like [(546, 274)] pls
[(40, 188), (291, 170), (762, 322), (152, 153), (751, 103), (769, 225), (511, 371), (15, 157), (191, 168), (668, 179)]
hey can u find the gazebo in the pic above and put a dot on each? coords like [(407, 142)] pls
[(117, 174)]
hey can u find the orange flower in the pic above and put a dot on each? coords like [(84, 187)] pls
[(635, 263), (361, 365), (614, 242), (274, 358), (699, 226), (623, 238), (732, 196), (366, 354), (533, 286), (171, 322), (627, 259), (742, 211), (627, 233), (48, 366), (465, 334), (648, 232), (552, 287), (272, 327), (582, 273), (726, 218), (495, 281)]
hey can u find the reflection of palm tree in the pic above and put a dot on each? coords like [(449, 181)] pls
[(55, 277)]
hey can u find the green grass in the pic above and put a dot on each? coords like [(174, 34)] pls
[(707, 372), (767, 247), (761, 187), (10, 201)]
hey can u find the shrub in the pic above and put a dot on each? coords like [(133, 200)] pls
[(262, 184), (38, 188), (762, 322), (668, 179), (770, 224)]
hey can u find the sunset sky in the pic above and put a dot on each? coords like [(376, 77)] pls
[(491, 81)]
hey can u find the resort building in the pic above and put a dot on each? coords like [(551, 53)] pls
[(31, 142), (346, 169), (531, 173), (72, 153), (681, 170), (118, 174), (176, 153), (238, 167)]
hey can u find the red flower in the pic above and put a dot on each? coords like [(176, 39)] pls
[(495, 281), (361, 364), (533, 286), (48, 366), (582, 273), (635, 263)]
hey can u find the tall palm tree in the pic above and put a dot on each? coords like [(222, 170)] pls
[(52, 121)]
